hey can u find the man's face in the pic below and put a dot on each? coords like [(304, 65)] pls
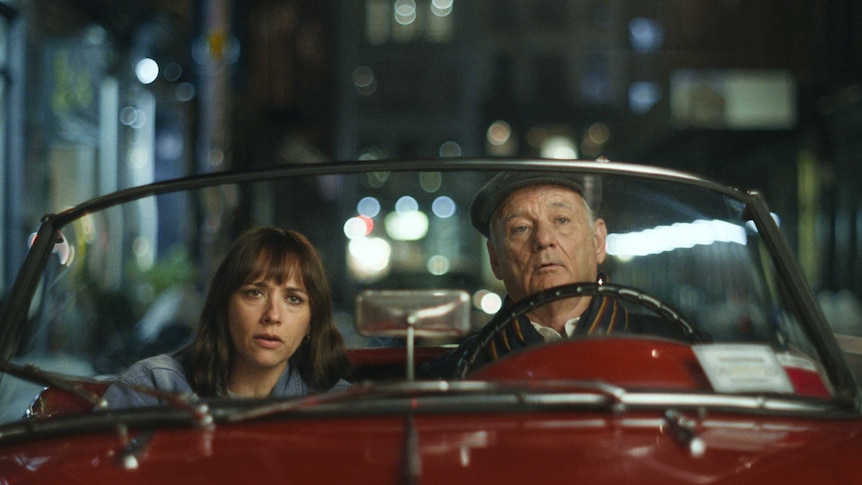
[(542, 236)]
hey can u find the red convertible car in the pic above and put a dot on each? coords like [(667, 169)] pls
[(750, 385)]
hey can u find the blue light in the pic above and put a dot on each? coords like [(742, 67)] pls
[(643, 96), (406, 204), (368, 207), (443, 207), (645, 35)]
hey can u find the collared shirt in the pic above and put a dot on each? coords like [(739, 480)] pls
[(551, 335), (166, 374), (604, 316)]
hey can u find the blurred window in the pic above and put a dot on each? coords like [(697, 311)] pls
[(406, 21), (4, 115)]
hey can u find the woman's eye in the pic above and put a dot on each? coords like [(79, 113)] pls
[(253, 292), (295, 300)]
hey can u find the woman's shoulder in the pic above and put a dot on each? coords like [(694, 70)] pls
[(162, 363), (161, 372), (341, 385), (291, 384), (164, 372)]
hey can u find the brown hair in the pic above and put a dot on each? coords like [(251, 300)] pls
[(277, 254)]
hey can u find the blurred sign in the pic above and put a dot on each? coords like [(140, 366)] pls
[(733, 99)]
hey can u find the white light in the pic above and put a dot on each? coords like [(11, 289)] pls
[(140, 119), (368, 257), (139, 158), (749, 225), (598, 133), (406, 226), (357, 227), (499, 133), (442, 8), (143, 253), (558, 147), (677, 236), (128, 115), (405, 11), (147, 71), (438, 265), (491, 303)]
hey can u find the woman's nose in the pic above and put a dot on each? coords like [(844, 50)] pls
[(272, 313)]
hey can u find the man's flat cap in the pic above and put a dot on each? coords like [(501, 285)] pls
[(503, 184)]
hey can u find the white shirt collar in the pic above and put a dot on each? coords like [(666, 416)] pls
[(551, 335)]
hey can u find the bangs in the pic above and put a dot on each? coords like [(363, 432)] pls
[(276, 265)]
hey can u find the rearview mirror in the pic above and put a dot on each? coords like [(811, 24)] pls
[(411, 313), (429, 313)]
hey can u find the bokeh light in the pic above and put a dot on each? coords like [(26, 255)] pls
[(147, 71), (443, 207)]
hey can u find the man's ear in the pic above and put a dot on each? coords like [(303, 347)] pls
[(492, 258), (600, 237)]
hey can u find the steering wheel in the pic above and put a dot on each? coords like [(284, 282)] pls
[(501, 320)]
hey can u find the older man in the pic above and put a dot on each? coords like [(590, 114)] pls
[(542, 232)]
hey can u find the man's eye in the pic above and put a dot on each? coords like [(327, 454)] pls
[(562, 220)]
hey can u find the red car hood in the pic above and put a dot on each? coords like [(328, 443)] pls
[(556, 447)]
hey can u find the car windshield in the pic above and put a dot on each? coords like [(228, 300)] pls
[(128, 281)]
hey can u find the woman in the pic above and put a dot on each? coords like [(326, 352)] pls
[(266, 330)]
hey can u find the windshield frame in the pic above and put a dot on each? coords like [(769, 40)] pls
[(15, 312)]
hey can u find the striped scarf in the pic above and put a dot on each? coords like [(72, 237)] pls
[(603, 316)]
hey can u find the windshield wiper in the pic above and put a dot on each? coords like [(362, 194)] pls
[(563, 394), (31, 373), (200, 412), (530, 393), (355, 391)]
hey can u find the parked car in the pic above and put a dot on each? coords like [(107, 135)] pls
[(756, 389)]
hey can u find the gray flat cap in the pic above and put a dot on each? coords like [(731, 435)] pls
[(503, 184)]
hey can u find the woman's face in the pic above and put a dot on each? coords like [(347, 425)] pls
[(267, 323)]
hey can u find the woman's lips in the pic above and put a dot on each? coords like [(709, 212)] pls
[(268, 341)]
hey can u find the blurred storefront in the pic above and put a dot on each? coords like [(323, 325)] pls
[(97, 96)]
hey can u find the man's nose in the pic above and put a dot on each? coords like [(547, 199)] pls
[(543, 236)]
